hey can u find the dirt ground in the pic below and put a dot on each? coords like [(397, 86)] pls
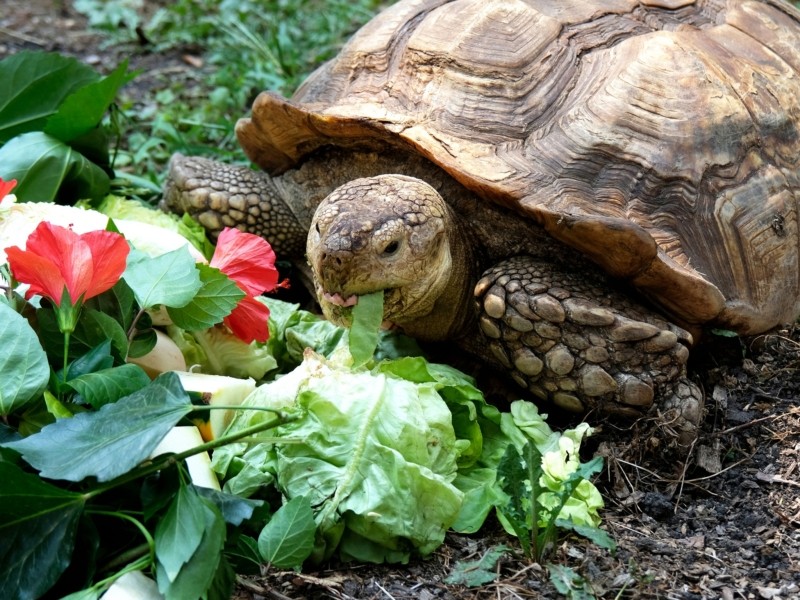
[(724, 524)]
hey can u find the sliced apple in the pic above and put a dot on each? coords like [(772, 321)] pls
[(214, 390), (182, 438)]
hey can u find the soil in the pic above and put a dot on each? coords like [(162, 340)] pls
[(725, 523)]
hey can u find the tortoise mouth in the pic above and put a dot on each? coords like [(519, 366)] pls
[(338, 307), (338, 300)]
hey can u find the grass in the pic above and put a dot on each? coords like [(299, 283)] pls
[(246, 46)]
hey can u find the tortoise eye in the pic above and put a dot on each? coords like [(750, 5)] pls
[(391, 248)]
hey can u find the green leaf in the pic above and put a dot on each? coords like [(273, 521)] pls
[(109, 385), (38, 523), (170, 279), (512, 473), (569, 583), (84, 109), (235, 509), (365, 330), (111, 441), (217, 297), (24, 370), (180, 531), (118, 302), (474, 573), (200, 571), (97, 359), (95, 327), (595, 534), (35, 84), (46, 170), (287, 540)]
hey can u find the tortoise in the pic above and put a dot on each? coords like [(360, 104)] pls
[(570, 190)]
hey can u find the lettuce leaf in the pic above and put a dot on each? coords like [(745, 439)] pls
[(375, 454)]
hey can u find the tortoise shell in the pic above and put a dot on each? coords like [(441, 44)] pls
[(658, 137)]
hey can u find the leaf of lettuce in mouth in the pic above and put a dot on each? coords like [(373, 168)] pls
[(365, 329)]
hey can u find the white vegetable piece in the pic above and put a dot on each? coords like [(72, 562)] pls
[(133, 586), (217, 390), (183, 438)]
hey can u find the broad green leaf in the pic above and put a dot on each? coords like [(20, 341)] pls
[(365, 330), (474, 573), (24, 370), (35, 84), (288, 539), (46, 170), (595, 534), (217, 297), (109, 385), (84, 109), (111, 441), (235, 509), (200, 571), (37, 532), (179, 531), (95, 326), (244, 555), (170, 279), (97, 359), (118, 302)]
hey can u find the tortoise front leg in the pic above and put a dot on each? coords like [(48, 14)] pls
[(573, 339), (219, 195)]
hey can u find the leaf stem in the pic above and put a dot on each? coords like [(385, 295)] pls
[(150, 542), (66, 355)]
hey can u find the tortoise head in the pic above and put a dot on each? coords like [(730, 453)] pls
[(392, 233)]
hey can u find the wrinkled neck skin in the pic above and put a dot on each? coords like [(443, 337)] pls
[(450, 312)]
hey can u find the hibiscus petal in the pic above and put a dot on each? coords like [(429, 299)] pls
[(249, 320), (40, 273), (247, 259), (70, 255), (6, 187), (110, 253)]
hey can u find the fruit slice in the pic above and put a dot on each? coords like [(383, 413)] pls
[(182, 438), (214, 390)]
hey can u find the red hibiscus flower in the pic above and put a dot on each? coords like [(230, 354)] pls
[(67, 267), (250, 262), (6, 187)]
